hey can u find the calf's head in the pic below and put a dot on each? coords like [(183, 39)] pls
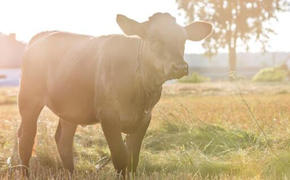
[(165, 41)]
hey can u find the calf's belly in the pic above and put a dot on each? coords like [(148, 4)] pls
[(74, 112)]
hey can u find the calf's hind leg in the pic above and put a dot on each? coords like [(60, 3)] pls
[(29, 111), (64, 141)]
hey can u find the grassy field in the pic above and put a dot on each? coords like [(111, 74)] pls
[(198, 131)]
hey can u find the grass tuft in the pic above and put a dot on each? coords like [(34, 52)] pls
[(209, 139), (278, 167)]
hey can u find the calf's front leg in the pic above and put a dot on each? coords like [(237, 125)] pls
[(134, 142), (112, 131)]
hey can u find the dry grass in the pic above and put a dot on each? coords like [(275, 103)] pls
[(200, 131)]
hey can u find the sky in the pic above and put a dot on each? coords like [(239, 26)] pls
[(97, 17)]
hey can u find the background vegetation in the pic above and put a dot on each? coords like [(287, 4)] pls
[(193, 78), (274, 74), (235, 22)]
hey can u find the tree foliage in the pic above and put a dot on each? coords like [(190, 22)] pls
[(233, 21)]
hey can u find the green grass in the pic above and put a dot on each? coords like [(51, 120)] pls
[(278, 167), (209, 139)]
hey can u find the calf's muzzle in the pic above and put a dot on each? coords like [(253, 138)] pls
[(179, 70)]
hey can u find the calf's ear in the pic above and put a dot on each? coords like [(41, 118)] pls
[(199, 30), (130, 26)]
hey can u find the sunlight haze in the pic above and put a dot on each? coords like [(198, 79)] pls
[(26, 18)]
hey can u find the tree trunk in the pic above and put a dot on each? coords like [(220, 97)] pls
[(232, 59), (232, 44), (232, 63)]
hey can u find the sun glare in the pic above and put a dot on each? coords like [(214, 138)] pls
[(26, 18)]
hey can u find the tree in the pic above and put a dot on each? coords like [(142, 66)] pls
[(234, 21)]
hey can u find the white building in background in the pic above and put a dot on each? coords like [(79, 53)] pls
[(11, 51)]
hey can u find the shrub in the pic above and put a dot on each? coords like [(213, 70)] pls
[(194, 78), (274, 74)]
